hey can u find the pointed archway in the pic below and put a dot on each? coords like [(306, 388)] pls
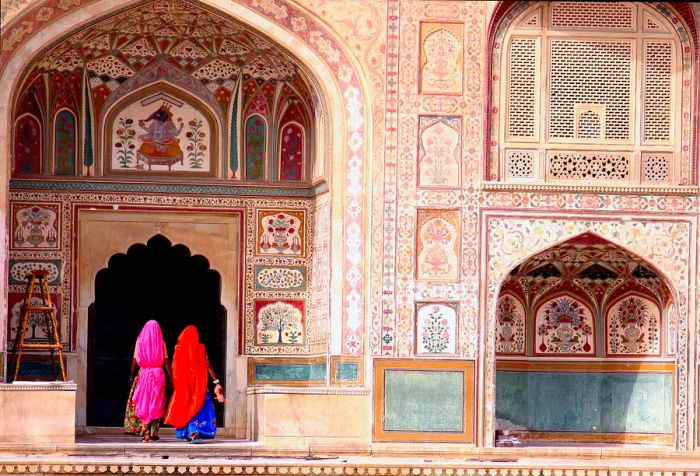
[(583, 340), (152, 281)]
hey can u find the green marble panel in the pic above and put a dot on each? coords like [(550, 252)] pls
[(423, 400), (347, 371), (587, 401), (313, 372)]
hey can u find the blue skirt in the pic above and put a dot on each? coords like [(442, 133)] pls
[(204, 422)]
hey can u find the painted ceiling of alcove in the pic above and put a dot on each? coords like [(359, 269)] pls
[(215, 50), (588, 264)]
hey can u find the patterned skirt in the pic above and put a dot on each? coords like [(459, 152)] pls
[(132, 423), (203, 423)]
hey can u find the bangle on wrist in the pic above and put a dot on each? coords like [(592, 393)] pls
[(216, 382)]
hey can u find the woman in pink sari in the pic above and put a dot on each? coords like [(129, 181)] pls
[(146, 404)]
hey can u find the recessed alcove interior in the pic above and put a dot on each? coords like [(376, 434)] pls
[(217, 71), (160, 90), (585, 348), (152, 281)]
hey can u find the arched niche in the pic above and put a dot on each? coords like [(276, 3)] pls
[(157, 280), (593, 356), (161, 130), (104, 233), (343, 133)]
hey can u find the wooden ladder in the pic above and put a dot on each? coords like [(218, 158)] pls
[(49, 313)]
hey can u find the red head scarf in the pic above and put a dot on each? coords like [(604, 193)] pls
[(189, 378)]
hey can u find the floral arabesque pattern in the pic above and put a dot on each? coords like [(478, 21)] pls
[(633, 327), (281, 234), (510, 333), (438, 245), (436, 325), (564, 326), (439, 157)]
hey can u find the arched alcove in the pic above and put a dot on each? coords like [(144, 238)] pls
[(157, 281), (582, 348), (337, 95)]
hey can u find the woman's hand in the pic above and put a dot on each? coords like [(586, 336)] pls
[(219, 392)]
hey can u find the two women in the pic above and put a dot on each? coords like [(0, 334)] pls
[(190, 410)]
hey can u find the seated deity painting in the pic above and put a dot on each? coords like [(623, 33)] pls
[(160, 144), (161, 134)]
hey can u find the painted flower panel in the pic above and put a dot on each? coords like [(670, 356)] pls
[(292, 152), (633, 325), (255, 148), (510, 325), (437, 247), (65, 135), (442, 58), (564, 325), (281, 232), (436, 328), (35, 226), (440, 151)]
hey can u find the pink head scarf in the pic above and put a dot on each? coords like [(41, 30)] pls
[(149, 394)]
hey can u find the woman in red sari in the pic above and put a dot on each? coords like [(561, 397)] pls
[(191, 410), (146, 404)]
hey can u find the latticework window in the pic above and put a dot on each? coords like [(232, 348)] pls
[(594, 89)]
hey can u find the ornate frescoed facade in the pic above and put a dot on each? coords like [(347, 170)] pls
[(461, 220)]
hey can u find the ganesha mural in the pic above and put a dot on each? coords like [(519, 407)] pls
[(162, 134)]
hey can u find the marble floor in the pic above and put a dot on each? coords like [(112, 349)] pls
[(120, 454)]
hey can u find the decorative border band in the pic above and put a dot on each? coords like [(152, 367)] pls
[(569, 366), (622, 189), (306, 391), (150, 187), (20, 386)]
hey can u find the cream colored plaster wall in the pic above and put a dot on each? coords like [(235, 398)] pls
[(101, 234), (37, 413), (311, 418)]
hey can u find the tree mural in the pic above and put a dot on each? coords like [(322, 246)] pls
[(283, 319)]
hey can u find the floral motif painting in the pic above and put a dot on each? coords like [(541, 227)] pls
[(281, 232), (441, 58), (633, 327), (437, 247), (671, 330), (35, 226), (65, 135), (27, 145), (162, 134), (287, 278), (565, 326), (37, 331), (279, 322), (440, 151), (255, 148), (510, 325), (20, 268), (436, 328), (291, 152)]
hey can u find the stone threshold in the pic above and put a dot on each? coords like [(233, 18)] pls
[(336, 465), (168, 446)]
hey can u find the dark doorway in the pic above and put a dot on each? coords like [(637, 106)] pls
[(152, 281)]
